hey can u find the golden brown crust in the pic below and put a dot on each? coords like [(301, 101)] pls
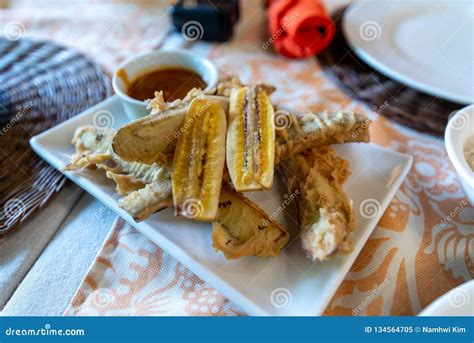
[(150, 199), (325, 214), (244, 229), (298, 132), (146, 187)]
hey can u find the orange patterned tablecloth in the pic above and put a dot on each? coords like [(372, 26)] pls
[(422, 247)]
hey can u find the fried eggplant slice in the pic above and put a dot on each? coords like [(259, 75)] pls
[(150, 139), (325, 214), (250, 139), (240, 229), (298, 132), (199, 159), (243, 229)]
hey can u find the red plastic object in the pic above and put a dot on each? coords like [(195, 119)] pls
[(299, 28)]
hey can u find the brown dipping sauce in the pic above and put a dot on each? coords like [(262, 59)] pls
[(174, 82)]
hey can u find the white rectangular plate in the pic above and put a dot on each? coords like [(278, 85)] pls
[(286, 285)]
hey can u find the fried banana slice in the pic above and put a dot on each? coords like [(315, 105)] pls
[(325, 214), (198, 162), (250, 139), (298, 132), (243, 229)]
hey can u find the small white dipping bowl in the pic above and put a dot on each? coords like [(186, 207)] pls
[(155, 60), (459, 129)]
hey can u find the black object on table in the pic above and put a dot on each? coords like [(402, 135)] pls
[(209, 20)]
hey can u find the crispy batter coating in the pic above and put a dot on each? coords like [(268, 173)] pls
[(298, 132), (325, 214), (243, 229), (145, 186)]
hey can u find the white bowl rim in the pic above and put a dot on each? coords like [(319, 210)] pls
[(439, 304), (457, 155), (181, 52)]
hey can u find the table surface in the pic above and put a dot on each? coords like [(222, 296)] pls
[(413, 256), (40, 265)]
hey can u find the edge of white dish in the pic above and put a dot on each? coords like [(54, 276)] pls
[(455, 139), (386, 69)]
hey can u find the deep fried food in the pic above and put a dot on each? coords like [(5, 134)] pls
[(150, 139), (147, 187), (93, 146), (198, 162), (325, 214), (243, 229), (250, 139), (298, 132), (175, 157), (225, 87), (153, 138), (150, 199)]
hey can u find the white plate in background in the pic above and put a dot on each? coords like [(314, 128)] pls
[(286, 285), (425, 44)]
